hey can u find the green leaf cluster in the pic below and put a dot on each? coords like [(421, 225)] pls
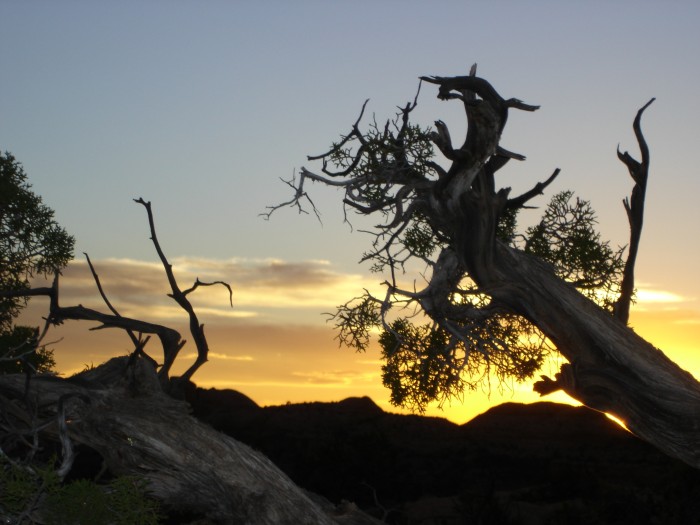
[(424, 363), (355, 321), (34, 494), (31, 244), (19, 352), (381, 160), (419, 238), (31, 241), (566, 238), (420, 364)]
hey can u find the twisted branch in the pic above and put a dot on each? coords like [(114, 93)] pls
[(639, 171), (180, 297)]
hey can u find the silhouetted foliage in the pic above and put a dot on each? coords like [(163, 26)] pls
[(32, 244), (31, 241), (388, 170), (566, 238), (21, 353), (480, 285)]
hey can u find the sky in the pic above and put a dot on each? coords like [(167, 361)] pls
[(203, 107)]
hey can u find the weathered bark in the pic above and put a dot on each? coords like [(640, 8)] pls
[(612, 369), (120, 411), (634, 206)]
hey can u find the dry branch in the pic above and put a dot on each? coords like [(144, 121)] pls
[(475, 276), (122, 410), (119, 410), (639, 171)]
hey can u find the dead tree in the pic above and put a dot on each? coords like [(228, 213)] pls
[(450, 215), (125, 410)]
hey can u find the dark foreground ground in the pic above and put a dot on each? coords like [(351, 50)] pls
[(516, 464)]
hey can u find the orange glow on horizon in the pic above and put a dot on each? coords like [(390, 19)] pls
[(275, 361)]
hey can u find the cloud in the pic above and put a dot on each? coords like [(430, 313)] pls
[(335, 377), (260, 286), (691, 322), (273, 283), (276, 348), (650, 295), (653, 298), (219, 356)]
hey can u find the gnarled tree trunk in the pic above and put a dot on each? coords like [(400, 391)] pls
[(612, 369), (456, 211)]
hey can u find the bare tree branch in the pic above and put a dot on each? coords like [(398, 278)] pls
[(138, 343), (199, 283), (170, 339), (354, 133), (299, 194), (538, 189), (639, 171), (180, 297)]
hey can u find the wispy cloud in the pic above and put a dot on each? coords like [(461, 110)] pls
[(140, 288), (220, 356), (690, 322), (651, 295), (335, 377), (278, 360)]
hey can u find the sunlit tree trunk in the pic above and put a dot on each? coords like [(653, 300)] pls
[(612, 369)]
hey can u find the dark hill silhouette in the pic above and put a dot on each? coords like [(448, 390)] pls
[(539, 463)]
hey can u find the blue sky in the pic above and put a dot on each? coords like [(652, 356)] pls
[(201, 107)]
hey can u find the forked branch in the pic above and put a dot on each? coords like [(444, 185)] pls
[(299, 195), (170, 339), (139, 344), (634, 206), (180, 297)]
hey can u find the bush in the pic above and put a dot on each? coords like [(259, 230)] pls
[(36, 495)]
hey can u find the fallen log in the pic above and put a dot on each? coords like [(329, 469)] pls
[(120, 410)]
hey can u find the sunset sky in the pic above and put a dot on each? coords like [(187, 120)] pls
[(201, 108)]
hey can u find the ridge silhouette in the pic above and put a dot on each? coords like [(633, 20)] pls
[(515, 463)]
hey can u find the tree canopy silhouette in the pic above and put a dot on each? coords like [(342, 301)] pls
[(492, 300), (32, 244)]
